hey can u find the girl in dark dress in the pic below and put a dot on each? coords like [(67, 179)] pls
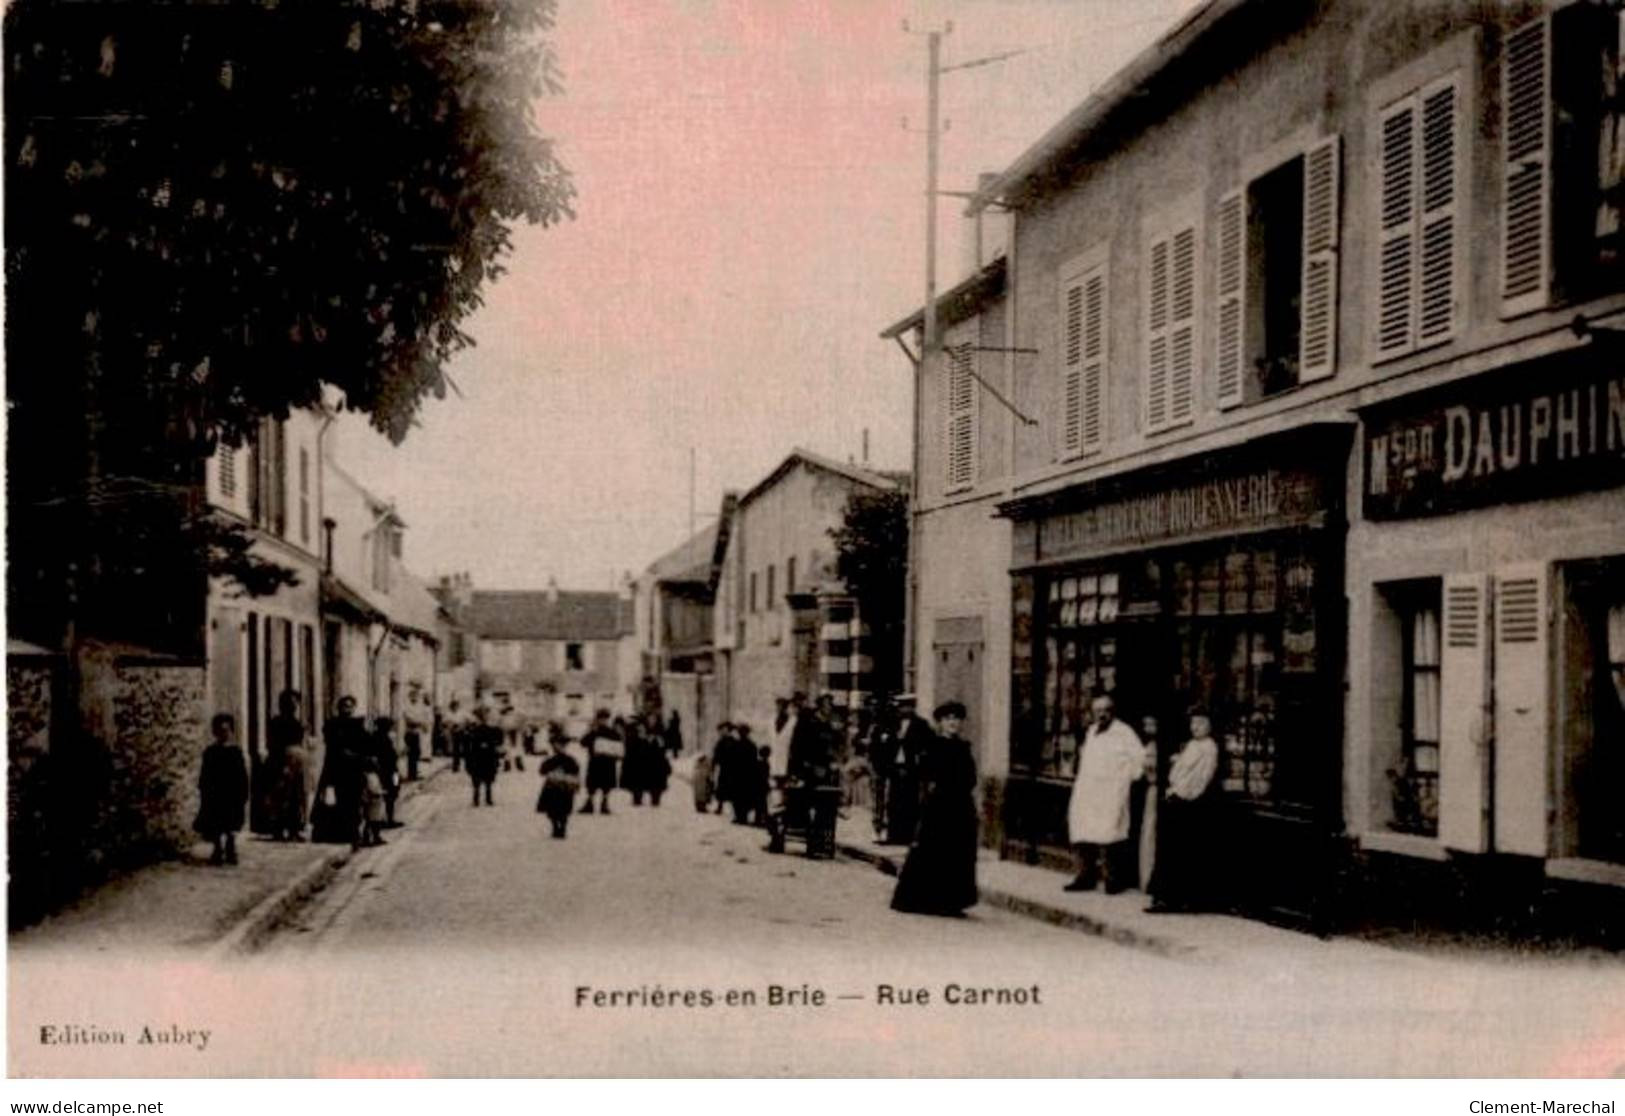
[(222, 790), (939, 876), (561, 778)]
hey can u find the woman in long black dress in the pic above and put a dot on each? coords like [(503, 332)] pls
[(939, 876)]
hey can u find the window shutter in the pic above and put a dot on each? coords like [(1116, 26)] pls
[(1072, 297), (1231, 289), (1465, 725), (1526, 131), (1095, 305), (1182, 328), (1317, 346), (1437, 280), (961, 432), (1396, 229), (1156, 338), (228, 472), (1522, 714)]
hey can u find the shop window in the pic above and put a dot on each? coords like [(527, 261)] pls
[(1563, 173), (1415, 777), (1079, 661)]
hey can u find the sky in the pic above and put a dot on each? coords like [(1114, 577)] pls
[(750, 216)]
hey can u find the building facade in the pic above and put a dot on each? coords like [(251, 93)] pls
[(258, 647), (778, 561), (554, 654), (1316, 309)]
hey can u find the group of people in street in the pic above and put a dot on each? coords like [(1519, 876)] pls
[(352, 801), (1118, 773)]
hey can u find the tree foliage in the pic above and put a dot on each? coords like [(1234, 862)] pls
[(216, 208), (235, 202), (871, 557)]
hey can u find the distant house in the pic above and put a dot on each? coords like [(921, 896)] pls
[(380, 624), (555, 655), (674, 626), (778, 596)]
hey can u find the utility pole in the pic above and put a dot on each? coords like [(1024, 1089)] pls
[(691, 492)]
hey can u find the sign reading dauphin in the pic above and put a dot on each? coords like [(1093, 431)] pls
[(1477, 447)]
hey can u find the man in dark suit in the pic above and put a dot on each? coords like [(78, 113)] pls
[(897, 759)]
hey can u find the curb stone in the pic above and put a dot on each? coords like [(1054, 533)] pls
[(254, 927)]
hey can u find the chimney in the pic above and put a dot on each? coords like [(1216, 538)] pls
[(552, 591), (866, 447), (626, 585)]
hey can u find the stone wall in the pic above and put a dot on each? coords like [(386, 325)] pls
[(108, 789)]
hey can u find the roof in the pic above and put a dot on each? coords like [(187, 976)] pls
[(955, 305), (1123, 88), (867, 477), (690, 560), (540, 614)]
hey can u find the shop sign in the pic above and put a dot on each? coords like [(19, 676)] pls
[(1261, 499), (1511, 443)]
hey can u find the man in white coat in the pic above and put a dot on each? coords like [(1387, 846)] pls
[(1098, 816)]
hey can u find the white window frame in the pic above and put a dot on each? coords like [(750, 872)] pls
[(961, 405), (1171, 320), (1083, 331), (1318, 271), (1417, 270)]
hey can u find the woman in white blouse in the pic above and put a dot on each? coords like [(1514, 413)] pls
[(1183, 879)]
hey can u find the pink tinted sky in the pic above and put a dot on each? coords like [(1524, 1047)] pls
[(750, 217)]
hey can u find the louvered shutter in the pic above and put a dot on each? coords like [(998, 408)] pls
[(228, 473), (1231, 291), (1317, 345), (1437, 283), (1396, 229), (960, 352), (1526, 131), (1156, 337), (1522, 708), (1072, 296), (1095, 306), (1464, 718), (1182, 328)]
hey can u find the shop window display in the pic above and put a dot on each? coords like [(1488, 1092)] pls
[(1594, 720)]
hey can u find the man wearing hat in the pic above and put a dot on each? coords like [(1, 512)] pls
[(900, 749)]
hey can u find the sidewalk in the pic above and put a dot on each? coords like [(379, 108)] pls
[(1036, 892), (188, 905)]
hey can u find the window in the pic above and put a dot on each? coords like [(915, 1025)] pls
[(753, 590), (228, 471), (1563, 183), (304, 495), (1277, 278), (790, 574), (575, 657), (960, 406), (1416, 778), (380, 557), (771, 599), (268, 494), (1418, 269), (1083, 356), (1170, 328)]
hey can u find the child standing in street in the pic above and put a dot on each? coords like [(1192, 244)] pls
[(222, 790)]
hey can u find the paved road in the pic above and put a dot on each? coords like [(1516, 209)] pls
[(473, 944)]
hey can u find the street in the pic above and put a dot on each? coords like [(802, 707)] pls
[(662, 942)]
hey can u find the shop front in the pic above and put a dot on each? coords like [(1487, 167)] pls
[(1488, 571), (1216, 580)]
